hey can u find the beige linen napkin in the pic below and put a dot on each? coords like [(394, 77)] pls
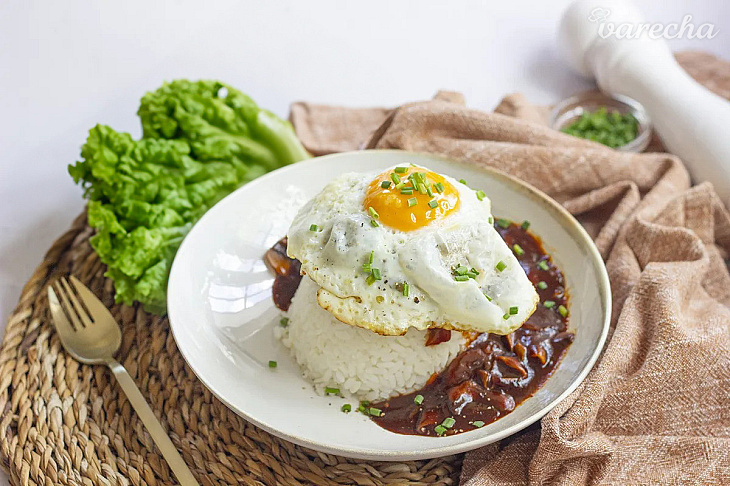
[(656, 407)]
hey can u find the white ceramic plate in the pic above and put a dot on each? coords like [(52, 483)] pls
[(222, 315)]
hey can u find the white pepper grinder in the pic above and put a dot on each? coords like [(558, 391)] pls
[(693, 122)]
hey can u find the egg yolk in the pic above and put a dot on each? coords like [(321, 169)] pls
[(409, 198)]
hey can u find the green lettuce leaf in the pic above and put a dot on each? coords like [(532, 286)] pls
[(144, 195)]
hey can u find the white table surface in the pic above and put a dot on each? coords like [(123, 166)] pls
[(65, 66)]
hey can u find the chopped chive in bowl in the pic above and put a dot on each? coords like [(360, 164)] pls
[(611, 128)]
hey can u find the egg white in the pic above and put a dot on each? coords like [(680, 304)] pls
[(333, 255)]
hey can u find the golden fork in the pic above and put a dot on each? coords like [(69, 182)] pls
[(91, 335)]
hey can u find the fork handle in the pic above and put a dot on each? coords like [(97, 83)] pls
[(145, 413)]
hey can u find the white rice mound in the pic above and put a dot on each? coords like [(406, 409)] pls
[(359, 362)]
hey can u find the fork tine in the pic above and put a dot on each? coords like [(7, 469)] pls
[(59, 316), (67, 307), (96, 307), (80, 311)]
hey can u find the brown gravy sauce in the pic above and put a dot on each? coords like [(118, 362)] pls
[(493, 374)]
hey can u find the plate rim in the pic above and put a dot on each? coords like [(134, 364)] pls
[(604, 291)]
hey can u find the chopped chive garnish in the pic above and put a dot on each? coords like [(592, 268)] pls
[(373, 213), (372, 256), (366, 268), (418, 400), (543, 265), (513, 310), (407, 191), (375, 272), (461, 278), (503, 223), (518, 250), (481, 195), (394, 177), (429, 191), (541, 285), (406, 289), (370, 280), (525, 224), (462, 181), (439, 187), (474, 271), (284, 321), (347, 408), (418, 177), (610, 128), (385, 184), (363, 407), (460, 270), (471, 274), (488, 297), (563, 311), (422, 188), (400, 185), (328, 390), (412, 202), (549, 304), (401, 170), (478, 424), (448, 422), (440, 430), (500, 266), (312, 227), (375, 412), (272, 364), (374, 223), (433, 204), (491, 220), (506, 316)]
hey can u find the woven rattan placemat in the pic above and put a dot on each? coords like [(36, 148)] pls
[(63, 422)]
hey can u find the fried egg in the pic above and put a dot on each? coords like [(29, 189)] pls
[(410, 248)]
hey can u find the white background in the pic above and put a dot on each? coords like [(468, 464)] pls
[(65, 66)]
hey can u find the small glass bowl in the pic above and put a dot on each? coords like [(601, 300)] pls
[(570, 109)]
